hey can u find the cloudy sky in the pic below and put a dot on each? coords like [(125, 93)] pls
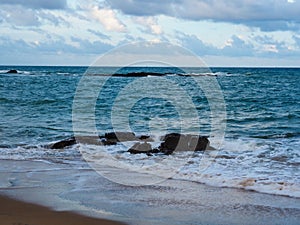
[(222, 33)]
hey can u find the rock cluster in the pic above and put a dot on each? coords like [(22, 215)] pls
[(170, 142)]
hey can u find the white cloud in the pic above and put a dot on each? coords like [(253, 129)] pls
[(51, 46), (212, 9), (196, 45), (18, 15), (150, 23), (206, 27), (270, 48), (37, 4), (260, 14), (99, 34), (108, 18)]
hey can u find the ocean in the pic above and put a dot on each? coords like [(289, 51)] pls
[(257, 148)]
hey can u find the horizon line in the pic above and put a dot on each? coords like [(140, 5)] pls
[(112, 66)]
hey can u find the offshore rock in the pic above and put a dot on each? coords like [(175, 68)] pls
[(12, 71), (138, 74), (181, 142)]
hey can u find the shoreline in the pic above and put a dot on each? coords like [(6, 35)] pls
[(77, 189), (15, 212)]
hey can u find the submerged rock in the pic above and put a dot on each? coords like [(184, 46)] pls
[(64, 143), (12, 71)]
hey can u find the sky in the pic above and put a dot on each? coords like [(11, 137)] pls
[(222, 33)]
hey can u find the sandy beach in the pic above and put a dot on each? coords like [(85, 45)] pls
[(67, 188), (13, 212)]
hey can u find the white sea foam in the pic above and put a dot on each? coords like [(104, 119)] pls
[(247, 164), (251, 164)]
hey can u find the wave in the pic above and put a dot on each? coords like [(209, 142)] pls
[(38, 73), (280, 188), (220, 175), (278, 136), (256, 164)]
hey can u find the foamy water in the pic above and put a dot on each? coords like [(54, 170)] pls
[(244, 164)]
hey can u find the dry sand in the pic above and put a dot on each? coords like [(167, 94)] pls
[(13, 212)]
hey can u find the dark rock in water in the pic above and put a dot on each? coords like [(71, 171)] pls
[(120, 136), (155, 150), (12, 71), (108, 142), (181, 142), (138, 74), (197, 143), (139, 148), (94, 140), (170, 143), (64, 143), (91, 140), (145, 138)]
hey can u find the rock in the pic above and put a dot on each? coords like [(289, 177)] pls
[(12, 71), (197, 143), (137, 74), (145, 138), (94, 140), (181, 142), (91, 140), (171, 142), (107, 142), (139, 148), (64, 143), (120, 136)]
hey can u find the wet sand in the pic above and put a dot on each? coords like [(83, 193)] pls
[(78, 188), (13, 212)]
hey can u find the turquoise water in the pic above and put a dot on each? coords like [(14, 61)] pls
[(262, 133)]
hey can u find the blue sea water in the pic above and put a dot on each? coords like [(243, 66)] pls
[(260, 150)]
